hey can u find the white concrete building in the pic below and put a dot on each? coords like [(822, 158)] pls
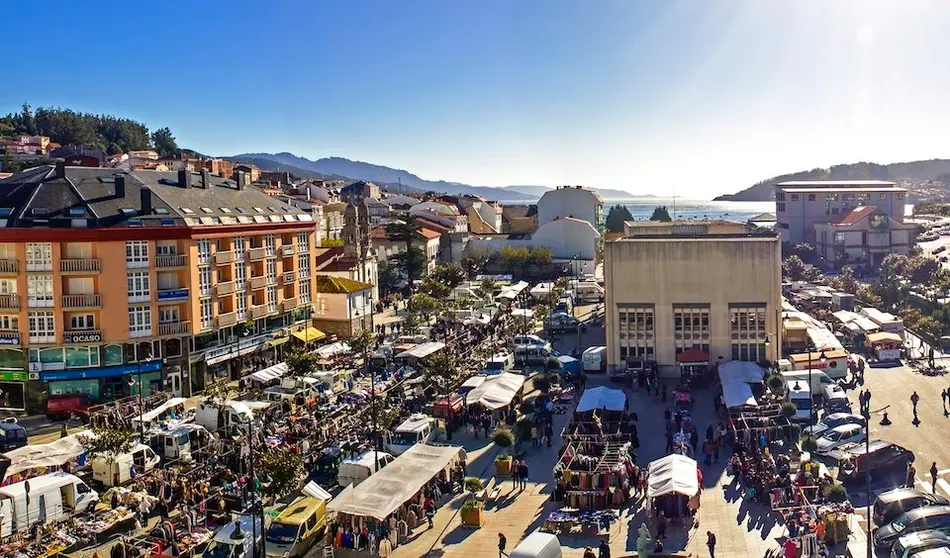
[(571, 202)]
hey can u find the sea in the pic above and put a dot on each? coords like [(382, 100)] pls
[(680, 209)]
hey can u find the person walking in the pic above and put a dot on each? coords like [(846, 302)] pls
[(603, 551), (910, 476), (933, 477), (548, 433), (669, 441), (502, 543), (661, 526), (523, 468), (711, 543), (914, 399), (861, 400), (943, 398)]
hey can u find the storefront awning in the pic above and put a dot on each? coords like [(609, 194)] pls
[(277, 341), (309, 334), (692, 356)]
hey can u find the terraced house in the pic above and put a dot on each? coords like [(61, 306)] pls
[(114, 280)]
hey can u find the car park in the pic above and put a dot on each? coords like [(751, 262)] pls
[(921, 519), (892, 503)]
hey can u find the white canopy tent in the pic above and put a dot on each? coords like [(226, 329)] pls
[(53, 454), (738, 394), (737, 377), (422, 350), (157, 411), (496, 392), (382, 493), (602, 397), (673, 474), (271, 373)]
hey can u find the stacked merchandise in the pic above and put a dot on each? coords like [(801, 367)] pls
[(593, 475)]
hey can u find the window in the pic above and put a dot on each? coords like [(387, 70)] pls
[(636, 331), (811, 197), (206, 210), (883, 197), (224, 210), (39, 291), (863, 197), (258, 210), (834, 210), (207, 313), (136, 253), (168, 315), (112, 355), (242, 210), (9, 322), (748, 332), (138, 286), (82, 357), (831, 197), (303, 242), (241, 306), (780, 206), (304, 292), (794, 197), (847, 197), (204, 281), (272, 299), (42, 329), (240, 277), (140, 321), (82, 322), (270, 243), (77, 211), (239, 248), (39, 256), (780, 196), (303, 265), (129, 211), (186, 211), (691, 327), (900, 195), (204, 251), (166, 249), (8, 286), (272, 270), (160, 211)]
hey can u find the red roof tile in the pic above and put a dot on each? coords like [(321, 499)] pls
[(855, 215)]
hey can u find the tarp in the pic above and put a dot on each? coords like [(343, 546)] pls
[(883, 336), (496, 391), (512, 291), (422, 350), (602, 398), (738, 394), (569, 365), (270, 373), (740, 371), (309, 334), (328, 351), (473, 382), (316, 491), (53, 454), (157, 411), (384, 492), (673, 474)]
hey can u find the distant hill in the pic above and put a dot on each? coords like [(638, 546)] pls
[(270, 165), (392, 178), (910, 172)]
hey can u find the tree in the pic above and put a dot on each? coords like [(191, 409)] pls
[(451, 275), (412, 263), (410, 325), (793, 268), (661, 213), (930, 328), (805, 251), (539, 256), (279, 470), (911, 318), (440, 371), (422, 303), (220, 391), (513, 258), (164, 142), (301, 363), (486, 288), (476, 259), (616, 217), (406, 229), (108, 443), (846, 280)]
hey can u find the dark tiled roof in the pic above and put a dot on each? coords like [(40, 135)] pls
[(40, 197)]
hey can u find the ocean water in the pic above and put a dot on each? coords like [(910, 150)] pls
[(642, 208)]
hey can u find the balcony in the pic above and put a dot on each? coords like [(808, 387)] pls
[(223, 258), (289, 277), (172, 295), (171, 261), (9, 267), (80, 265), (288, 250), (288, 304), (10, 302), (79, 336), (81, 301), (176, 328), (257, 254), (226, 319), (259, 312), (258, 283), (225, 288)]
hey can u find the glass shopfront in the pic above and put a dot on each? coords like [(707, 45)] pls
[(105, 383)]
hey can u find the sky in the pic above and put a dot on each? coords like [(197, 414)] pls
[(651, 97)]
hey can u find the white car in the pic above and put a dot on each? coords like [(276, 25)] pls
[(839, 436), (834, 419)]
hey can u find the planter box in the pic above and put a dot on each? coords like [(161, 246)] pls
[(503, 468), (473, 517)]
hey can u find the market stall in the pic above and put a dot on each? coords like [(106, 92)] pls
[(886, 346), (594, 474), (673, 485), (693, 365), (66, 453), (496, 392), (602, 398), (268, 375), (740, 382)]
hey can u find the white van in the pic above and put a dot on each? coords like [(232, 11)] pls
[(230, 415), (589, 291), (538, 545), (800, 395), (179, 443), (355, 470), (117, 470), (526, 340), (417, 428), (52, 497), (594, 359), (819, 380), (533, 354), (500, 362)]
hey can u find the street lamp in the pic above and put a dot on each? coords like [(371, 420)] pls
[(822, 359), (132, 382)]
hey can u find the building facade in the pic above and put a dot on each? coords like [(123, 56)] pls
[(158, 277), (865, 235), (800, 205), (573, 202), (343, 307), (713, 286)]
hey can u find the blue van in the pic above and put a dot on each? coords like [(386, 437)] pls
[(12, 436)]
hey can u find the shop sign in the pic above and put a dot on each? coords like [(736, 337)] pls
[(106, 372), (241, 348), (173, 294), (82, 337), (14, 376), (10, 339)]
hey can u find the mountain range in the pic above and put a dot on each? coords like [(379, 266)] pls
[(916, 176), (339, 168)]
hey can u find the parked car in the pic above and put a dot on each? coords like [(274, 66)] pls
[(921, 519), (912, 544), (840, 436), (892, 503), (879, 456), (834, 419)]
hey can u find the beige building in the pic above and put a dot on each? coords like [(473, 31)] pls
[(865, 235), (714, 286)]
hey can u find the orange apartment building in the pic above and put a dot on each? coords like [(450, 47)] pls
[(164, 277)]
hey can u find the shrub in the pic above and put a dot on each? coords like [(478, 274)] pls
[(809, 444), (776, 384), (502, 457), (543, 383), (836, 493), (473, 484), (503, 437), (788, 409), (471, 504)]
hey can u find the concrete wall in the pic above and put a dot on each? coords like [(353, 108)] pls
[(570, 202), (697, 270)]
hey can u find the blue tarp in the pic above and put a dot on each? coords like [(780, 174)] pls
[(570, 366)]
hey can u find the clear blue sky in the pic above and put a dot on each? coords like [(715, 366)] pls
[(643, 96)]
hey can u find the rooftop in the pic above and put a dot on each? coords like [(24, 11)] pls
[(835, 183), (327, 284)]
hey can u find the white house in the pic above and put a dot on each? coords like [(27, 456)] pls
[(573, 202), (569, 239)]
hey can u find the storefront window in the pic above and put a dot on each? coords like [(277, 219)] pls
[(173, 347), (53, 355), (82, 357), (112, 355), (11, 359)]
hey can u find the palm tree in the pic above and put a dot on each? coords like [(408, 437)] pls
[(405, 230)]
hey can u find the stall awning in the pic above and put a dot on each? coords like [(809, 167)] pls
[(422, 350), (53, 454), (309, 334), (602, 398), (382, 493), (496, 391), (738, 394), (157, 411), (740, 371), (673, 474), (692, 356), (883, 336), (473, 382), (269, 374)]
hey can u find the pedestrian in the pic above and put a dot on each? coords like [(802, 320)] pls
[(711, 543), (663, 387), (589, 552), (910, 476), (943, 397), (707, 452), (523, 468), (933, 477), (694, 438), (535, 437), (716, 441), (914, 399), (548, 433), (502, 543), (604, 550), (669, 441), (867, 401), (861, 400), (661, 526)]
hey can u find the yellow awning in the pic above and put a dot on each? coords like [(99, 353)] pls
[(309, 334), (277, 341)]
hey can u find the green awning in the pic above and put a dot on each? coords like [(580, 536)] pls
[(277, 341)]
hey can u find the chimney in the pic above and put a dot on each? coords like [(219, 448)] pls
[(241, 180), (119, 186), (146, 201), (60, 168), (205, 179), (184, 178)]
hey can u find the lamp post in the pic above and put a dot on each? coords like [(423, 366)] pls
[(822, 359), (132, 382)]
